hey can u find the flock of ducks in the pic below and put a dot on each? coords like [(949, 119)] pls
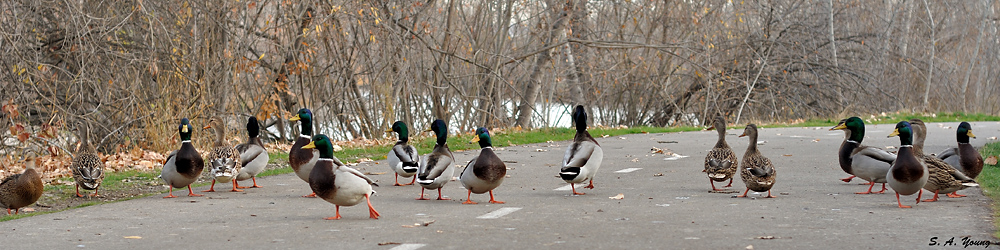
[(907, 172)]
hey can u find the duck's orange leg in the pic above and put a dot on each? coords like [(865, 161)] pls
[(744, 194), (234, 187), (421, 194), (935, 197), (901, 203), (371, 210), (191, 192), (335, 217), (312, 195), (955, 195), (211, 189), (493, 200), (727, 185), (441, 198), (769, 195), (170, 194), (573, 186), (468, 199), (869, 189), (848, 179)]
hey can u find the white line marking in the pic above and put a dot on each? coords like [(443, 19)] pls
[(499, 213), (569, 187), (408, 247), (627, 170)]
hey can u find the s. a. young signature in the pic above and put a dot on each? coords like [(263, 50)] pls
[(964, 242)]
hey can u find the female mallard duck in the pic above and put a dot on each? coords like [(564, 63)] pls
[(942, 178), (336, 183), (183, 165), (436, 169), (964, 157), (302, 160), (720, 163), (584, 155), (403, 157), (88, 169), (484, 172), (253, 155), (869, 163), (756, 170), (908, 174), (224, 159), (21, 190)]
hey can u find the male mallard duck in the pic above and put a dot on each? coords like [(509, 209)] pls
[(183, 165), (484, 172), (584, 155), (403, 157), (253, 155), (869, 163), (964, 157), (88, 169), (21, 190), (756, 170), (302, 160), (942, 178), (436, 169), (908, 174), (720, 163), (337, 183), (224, 159)]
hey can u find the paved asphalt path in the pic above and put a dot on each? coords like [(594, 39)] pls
[(666, 205)]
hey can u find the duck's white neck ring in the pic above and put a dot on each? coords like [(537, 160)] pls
[(490, 147), (305, 136), (963, 143), (325, 159), (906, 146), (852, 141), (186, 141)]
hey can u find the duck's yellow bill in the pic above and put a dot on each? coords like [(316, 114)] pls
[(311, 144), (895, 132)]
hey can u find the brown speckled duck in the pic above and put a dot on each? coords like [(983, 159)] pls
[(336, 183), (301, 159), (484, 172), (942, 178), (88, 169), (21, 190), (224, 159), (908, 173), (721, 162), (756, 170)]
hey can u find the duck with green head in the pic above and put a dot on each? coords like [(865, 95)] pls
[(184, 165), (484, 172), (964, 157), (908, 174), (869, 163), (336, 183), (942, 178), (583, 156), (437, 170), (403, 158), (253, 155), (301, 159)]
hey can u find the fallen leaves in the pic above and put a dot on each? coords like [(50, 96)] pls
[(992, 160), (422, 224), (617, 197)]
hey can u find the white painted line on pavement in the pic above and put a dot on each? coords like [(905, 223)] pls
[(408, 247), (499, 213), (627, 170), (569, 187)]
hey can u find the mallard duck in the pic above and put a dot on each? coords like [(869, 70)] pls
[(908, 174), (403, 158), (253, 155), (21, 190), (869, 163), (88, 169), (584, 155), (336, 183), (965, 157), (720, 163), (302, 160), (437, 170), (756, 170), (942, 178), (184, 165), (484, 172), (224, 158)]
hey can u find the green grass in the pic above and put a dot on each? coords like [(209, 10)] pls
[(989, 181)]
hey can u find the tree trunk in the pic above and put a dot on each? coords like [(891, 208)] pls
[(525, 110)]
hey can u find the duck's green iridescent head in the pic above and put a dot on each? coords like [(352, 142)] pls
[(304, 115), (322, 144), (964, 132), (440, 130), (185, 129), (905, 133), (483, 137), (855, 125), (400, 128)]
